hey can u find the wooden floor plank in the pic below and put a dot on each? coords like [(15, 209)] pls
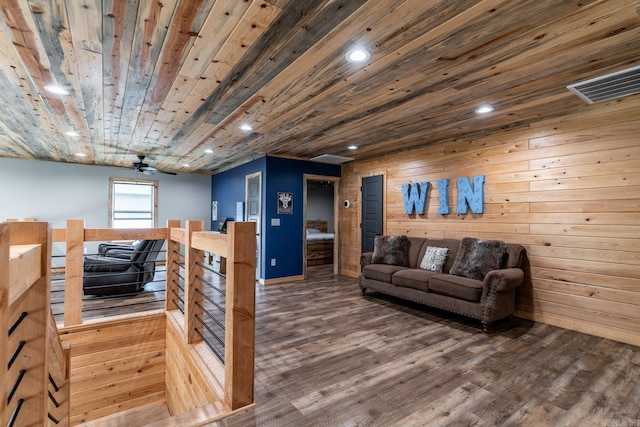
[(328, 356)]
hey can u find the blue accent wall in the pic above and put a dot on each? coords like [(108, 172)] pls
[(284, 243)]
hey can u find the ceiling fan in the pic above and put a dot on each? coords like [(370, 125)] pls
[(144, 168)]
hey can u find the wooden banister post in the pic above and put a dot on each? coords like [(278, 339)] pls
[(74, 272), (240, 314), (4, 319), (172, 267), (36, 302), (192, 297)]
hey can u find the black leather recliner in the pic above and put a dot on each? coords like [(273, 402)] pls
[(120, 269)]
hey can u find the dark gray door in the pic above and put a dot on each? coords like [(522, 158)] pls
[(372, 196)]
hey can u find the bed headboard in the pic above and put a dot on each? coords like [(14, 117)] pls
[(320, 224)]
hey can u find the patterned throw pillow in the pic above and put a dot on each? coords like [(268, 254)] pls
[(434, 259)]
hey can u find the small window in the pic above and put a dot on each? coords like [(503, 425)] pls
[(133, 203)]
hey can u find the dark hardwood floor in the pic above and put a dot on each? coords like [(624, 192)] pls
[(327, 356)]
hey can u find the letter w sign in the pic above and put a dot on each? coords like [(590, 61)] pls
[(415, 197)]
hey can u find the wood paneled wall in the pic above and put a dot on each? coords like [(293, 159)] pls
[(567, 188), (193, 378), (116, 365)]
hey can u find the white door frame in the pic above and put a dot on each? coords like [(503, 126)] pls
[(258, 220), (336, 219)]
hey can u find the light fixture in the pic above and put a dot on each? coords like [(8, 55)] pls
[(55, 89), (357, 55), (246, 127), (352, 147), (72, 133), (208, 151), (186, 165), (484, 109), (81, 155)]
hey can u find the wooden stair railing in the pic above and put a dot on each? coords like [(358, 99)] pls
[(59, 383), (194, 378), (27, 338), (235, 375)]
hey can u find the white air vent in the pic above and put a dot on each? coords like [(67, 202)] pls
[(611, 86), (333, 159)]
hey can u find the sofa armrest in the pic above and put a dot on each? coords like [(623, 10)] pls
[(365, 259), (101, 264), (502, 280)]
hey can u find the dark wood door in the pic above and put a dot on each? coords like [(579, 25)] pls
[(372, 197)]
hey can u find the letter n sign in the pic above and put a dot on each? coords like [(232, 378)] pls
[(474, 196), (415, 196)]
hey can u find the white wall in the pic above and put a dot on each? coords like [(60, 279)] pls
[(55, 192), (320, 205)]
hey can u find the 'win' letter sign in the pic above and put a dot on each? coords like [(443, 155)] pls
[(415, 197), (474, 196)]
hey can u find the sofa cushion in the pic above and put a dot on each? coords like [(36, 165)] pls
[(381, 272), (417, 246), (456, 286), (392, 250), (413, 278), (477, 257), (434, 259)]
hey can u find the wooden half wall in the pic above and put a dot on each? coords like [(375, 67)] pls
[(116, 364), (567, 188)]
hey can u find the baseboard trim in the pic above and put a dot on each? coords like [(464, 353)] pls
[(279, 280)]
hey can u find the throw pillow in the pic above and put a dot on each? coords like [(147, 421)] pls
[(393, 250), (434, 259), (477, 257)]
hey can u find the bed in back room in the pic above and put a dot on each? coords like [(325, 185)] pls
[(319, 242)]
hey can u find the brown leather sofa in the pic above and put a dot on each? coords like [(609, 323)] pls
[(487, 300)]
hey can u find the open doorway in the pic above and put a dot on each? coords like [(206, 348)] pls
[(321, 221)]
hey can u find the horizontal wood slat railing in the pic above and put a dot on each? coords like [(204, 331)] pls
[(31, 355)]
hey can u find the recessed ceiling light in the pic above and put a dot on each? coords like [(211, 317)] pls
[(246, 127), (208, 151), (484, 109), (352, 147), (357, 55), (72, 133), (56, 90), (81, 155), (186, 165)]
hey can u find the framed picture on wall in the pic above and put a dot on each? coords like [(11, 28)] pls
[(285, 203), (214, 210)]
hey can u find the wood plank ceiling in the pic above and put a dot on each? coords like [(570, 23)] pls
[(172, 78)]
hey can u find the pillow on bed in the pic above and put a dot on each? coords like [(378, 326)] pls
[(313, 230)]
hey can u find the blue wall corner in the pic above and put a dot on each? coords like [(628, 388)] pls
[(284, 243)]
